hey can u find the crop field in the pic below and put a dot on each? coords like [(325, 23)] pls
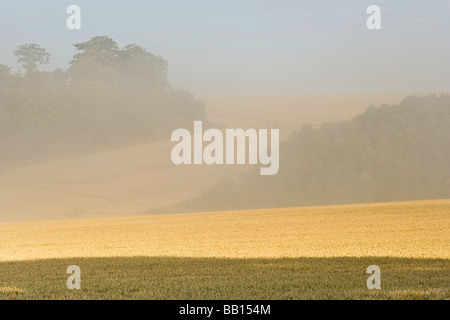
[(290, 253)]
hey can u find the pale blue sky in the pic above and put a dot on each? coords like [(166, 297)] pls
[(250, 47)]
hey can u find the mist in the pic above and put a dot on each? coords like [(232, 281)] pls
[(86, 115), (254, 48)]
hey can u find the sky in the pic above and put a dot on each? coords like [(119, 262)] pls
[(250, 47)]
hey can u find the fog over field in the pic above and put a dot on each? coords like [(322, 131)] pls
[(86, 115), (239, 149)]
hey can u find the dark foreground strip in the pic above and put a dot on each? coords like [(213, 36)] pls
[(236, 309)]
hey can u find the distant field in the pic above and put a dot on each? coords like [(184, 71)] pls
[(119, 182), (293, 253), (136, 179), (289, 113)]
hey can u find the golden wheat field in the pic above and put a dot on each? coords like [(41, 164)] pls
[(292, 253)]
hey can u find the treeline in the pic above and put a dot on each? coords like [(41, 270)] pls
[(389, 153), (108, 96)]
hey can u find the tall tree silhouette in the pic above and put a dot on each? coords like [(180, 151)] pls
[(30, 55)]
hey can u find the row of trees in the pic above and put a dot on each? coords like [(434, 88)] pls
[(394, 152), (107, 96), (100, 59)]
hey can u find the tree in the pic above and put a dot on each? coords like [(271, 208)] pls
[(142, 69), (30, 55), (95, 61), (132, 68), (102, 49)]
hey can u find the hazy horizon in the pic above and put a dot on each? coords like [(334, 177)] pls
[(92, 140), (253, 48)]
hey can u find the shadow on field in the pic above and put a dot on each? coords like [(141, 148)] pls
[(224, 278)]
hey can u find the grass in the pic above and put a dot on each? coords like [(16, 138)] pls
[(219, 278), (293, 253)]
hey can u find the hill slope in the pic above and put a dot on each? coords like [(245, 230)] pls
[(388, 153), (132, 179)]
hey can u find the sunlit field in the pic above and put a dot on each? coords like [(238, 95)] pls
[(292, 253)]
